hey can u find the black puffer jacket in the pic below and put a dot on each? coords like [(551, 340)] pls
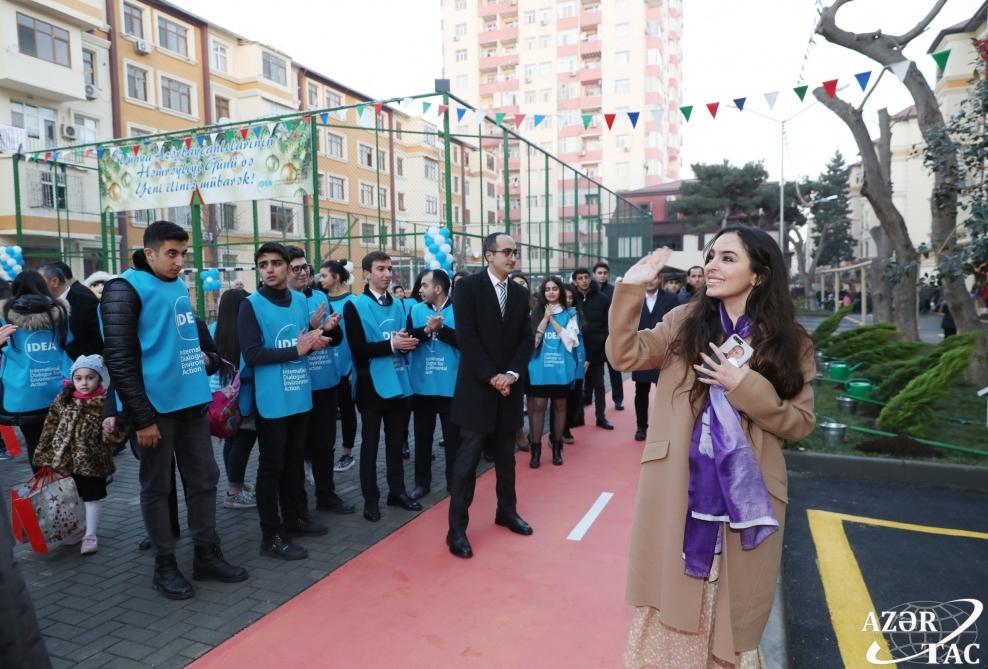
[(120, 311), (21, 644), (595, 306)]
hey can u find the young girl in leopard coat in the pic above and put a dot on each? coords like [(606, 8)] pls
[(75, 440)]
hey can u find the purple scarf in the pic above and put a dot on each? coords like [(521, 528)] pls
[(726, 484)]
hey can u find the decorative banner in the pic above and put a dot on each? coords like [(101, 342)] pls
[(499, 117), (460, 113), (587, 120), (941, 58), (863, 79), (801, 91), (830, 87), (770, 99), (425, 106), (712, 107), (519, 119), (441, 109), (609, 120), (276, 167), (687, 110), (739, 103), (537, 120), (633, 117), (378, 106), (900, 69)]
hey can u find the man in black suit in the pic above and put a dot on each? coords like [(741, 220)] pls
[(83, 305), (656, 305), (495, 339)]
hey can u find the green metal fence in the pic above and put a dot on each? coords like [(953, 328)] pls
[(380, 181)]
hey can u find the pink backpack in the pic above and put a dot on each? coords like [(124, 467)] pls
[(224, 410)]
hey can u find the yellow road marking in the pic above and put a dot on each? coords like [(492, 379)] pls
[(848, 599)]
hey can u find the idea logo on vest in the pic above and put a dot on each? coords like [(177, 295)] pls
[(185, 320)]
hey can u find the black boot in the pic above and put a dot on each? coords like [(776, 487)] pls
[(536, 454), (168, 580), (209, 565), (557, 451)]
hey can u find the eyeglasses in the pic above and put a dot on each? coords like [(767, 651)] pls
[(298, 269), (507, 253)]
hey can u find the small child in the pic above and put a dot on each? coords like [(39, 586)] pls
[(75, 442)]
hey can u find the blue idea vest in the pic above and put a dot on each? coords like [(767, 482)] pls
[(171, 359), (552, 364), (344, 360), (34, 364), (322, 364), (283, 389), (389, 374), (433, 364)]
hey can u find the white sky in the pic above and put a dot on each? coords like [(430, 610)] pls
[(732, 48)]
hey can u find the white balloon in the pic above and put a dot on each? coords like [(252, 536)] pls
[(18, 249), (17, 268), (433, 230), (435, 265), (428, 257), (445, 248)]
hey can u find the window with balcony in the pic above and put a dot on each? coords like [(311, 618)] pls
[(49, 179), (133, 21), (38, 122), (176, 95), (222, 108), (274, 68), (218, 59), (567, 37), (282, 219), (173, 37), (461, 55), (137, 83), (43, 40)]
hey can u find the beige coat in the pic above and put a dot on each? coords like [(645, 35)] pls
[(655, 575)]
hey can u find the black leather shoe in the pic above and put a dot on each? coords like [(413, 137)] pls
[(404, 501), (307, 528), (168, 580), (640, 435), (605, 424), (283, 549), (458, 545), (336, 505), (536, 454), (418, 492), (619, 406), (513, 522), (557, 452), (210, 565), (372, 512)]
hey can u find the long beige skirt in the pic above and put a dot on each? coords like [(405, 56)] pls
[(652, 643)]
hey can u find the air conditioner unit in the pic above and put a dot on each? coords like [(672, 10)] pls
[(69, 131), (91, 92), (456, 38), (142, 46)]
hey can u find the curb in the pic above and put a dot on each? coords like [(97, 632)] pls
[(889, 470)]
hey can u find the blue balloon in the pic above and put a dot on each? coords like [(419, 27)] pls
[(441, 257), (445, 232)]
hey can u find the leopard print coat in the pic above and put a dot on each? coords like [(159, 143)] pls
[(72, 441)]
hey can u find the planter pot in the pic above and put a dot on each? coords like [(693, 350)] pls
[(846, 405), (833, 433)]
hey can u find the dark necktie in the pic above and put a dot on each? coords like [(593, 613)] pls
[(502, 296), (383, 300)]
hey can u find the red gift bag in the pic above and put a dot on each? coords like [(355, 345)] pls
[(46, 511)]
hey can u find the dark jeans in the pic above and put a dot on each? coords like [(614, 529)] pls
[(320, 442), (390, 413), (465, 474), (184, 434), (348, 412), (574, 406), (617, 384), (641, 404), (280, 477), (426, 408), (236, 454), (593, 384), (32, 437)]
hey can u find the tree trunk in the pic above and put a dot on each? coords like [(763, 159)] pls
[(881, 296)]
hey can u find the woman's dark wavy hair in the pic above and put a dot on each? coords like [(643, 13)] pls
[(227, 334), (538, 311), (30, 282), (779, 341)]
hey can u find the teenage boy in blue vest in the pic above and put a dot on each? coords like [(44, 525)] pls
[(433, 366), (277, 334), (375, 327), (325, 378), (154, 352)]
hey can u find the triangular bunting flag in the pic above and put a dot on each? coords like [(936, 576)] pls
[(633, 117), (830, 87), (99, 152), (212, 138), (712, 107), (587, 118), (324, 117), (657, 115), (770, 99), (307, 118), (56, 154), (460, 113), (609, 120), (229, 135), (863, 78), (360, 111), (243, 133), (425, 106), (441, 109), (188, 140), (201, 139), (519, 119), (941, 58), (687, 110), (271, 127), (801, 91), (900, 69), (378, 106), (341, 114), (537, 120), (160, 144), (499, 117), (257, 131), (136, 148), (739, 103)]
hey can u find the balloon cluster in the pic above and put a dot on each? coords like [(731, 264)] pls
[(11, 262), (210, 279), (438, 249)]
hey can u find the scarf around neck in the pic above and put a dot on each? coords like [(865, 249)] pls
[(726, 483)]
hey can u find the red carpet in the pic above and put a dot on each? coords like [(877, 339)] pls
[(538, 601)]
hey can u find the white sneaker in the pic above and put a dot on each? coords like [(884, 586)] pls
[(344, 463), (242, 500)]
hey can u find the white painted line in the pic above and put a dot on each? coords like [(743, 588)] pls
[(591, 515)]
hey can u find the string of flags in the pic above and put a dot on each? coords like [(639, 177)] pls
[(463, 115)]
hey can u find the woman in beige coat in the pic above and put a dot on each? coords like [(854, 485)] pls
[(702, 574)]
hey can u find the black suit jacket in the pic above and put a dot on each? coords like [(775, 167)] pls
[(664, 303), (83, 322), (489, 345)]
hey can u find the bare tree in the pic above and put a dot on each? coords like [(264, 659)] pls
[(887, 50)]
